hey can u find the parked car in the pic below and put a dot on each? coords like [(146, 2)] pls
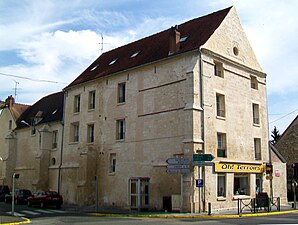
[(45, 198), (20, 196), (4, 189)]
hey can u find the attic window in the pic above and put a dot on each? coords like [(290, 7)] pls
[(94, 67), (134, 54), (112, 62), (183, 38), (54, 111)]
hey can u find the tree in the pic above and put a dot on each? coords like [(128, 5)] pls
[(275, 135)]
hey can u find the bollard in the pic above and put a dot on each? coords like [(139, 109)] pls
[(209, 208)]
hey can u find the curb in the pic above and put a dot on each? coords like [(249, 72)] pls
[(232, 216), (26, 221)]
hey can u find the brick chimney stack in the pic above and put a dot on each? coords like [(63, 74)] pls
[(174, 44), (9, 101)]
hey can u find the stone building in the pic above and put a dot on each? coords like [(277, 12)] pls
[(196, 88), (9, 115), (32, 147), (287, 145)]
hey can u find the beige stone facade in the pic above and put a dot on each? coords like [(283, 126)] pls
[(120, 127)]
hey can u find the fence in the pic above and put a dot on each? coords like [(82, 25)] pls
[(258, 204)]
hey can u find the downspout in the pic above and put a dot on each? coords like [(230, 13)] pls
[(61, 151), (202, 121)]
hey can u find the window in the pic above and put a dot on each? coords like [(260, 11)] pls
[(53, 161), (218, 69), (113, 61), (221, 185), (120, 129), (241, 184), (139, 193), (90, 133), (121, 93), (10, 124), (183, 38), (259, 185), (54, 140), (257, 148), (33, 129), (135, 54), (77, 103), (112, 163), (255, 110), (220, 105), (253, 82), (75, 132), (92, 100), (221, 145)]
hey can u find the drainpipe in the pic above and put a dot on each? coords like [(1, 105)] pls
[(202, 123), (61, 151)]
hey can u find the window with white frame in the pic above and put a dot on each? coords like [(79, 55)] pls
[(112, 163), (241, 184), (218, 69), (257, 148), (91, 100), (90, 133), (75, 132), (54, 139), (256, 113), (77, 103), (120, 127), (221, 185), (221, 145), (121, 92), (220, 105)]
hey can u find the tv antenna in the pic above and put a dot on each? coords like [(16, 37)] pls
[(101, 43), (15, 89)]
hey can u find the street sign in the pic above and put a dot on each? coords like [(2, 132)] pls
[(199, 183), (178, 166), (180, 161), (178, 170), (203, 163), (202, 157)]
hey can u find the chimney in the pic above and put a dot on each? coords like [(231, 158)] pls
[(9, 101), (174, 44)]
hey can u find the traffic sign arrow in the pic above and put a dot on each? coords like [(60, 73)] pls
[(180, 161), (203, 163), (202, 157), (178, 167), (178, 170)]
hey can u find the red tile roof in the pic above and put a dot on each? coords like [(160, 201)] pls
[(153, 48)]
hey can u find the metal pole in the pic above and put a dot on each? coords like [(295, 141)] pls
[(294, 194), (181, 197), (96, 192), (12, 195)]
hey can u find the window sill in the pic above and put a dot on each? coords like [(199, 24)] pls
[(76, 113), (256, 125), (220, 117), (221, 198), (112, 173), (120, 140), (91, 110), (73, 143), (121, 103), (236, 197)]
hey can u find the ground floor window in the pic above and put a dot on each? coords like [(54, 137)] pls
[(241, 184), (259, 186), (221, 185), (139, 193)]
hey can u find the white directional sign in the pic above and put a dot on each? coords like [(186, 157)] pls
[(178, 170), (203, 163), (180, 161), (178, 167)]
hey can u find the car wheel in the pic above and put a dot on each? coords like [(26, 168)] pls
[(41, 205)]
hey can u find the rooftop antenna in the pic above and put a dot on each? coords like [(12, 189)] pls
[(15, 89), (101, 43)]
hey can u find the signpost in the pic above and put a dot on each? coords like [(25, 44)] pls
[(202, 157), (203, 163), (200, 183)]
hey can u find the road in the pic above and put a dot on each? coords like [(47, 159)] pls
[(92, 220)]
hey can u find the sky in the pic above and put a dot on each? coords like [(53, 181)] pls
[(44, 45)]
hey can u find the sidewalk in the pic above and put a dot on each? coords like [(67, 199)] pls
[(231, 213)]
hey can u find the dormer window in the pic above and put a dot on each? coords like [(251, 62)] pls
[(134, 54), (94, 67), (183, 38), (112, 62)]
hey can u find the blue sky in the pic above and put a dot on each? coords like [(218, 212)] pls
[(55, 40)]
